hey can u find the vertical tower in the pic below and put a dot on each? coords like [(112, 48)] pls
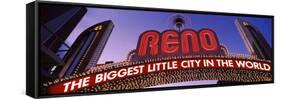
[(254, 40), (56, 23), (86, 49), (178, 22)]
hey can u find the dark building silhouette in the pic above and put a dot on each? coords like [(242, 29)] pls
[(109, 62), (86, 49), (254, 40), (55, 23)]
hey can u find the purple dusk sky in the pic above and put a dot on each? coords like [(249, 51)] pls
[(129, 24)]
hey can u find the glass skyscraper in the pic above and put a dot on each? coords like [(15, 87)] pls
[(254, 40), (56, 23)]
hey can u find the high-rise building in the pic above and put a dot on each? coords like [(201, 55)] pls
[(86, 49), (254, 40), (56, 23)]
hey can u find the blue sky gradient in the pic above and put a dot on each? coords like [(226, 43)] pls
[(129, 24)]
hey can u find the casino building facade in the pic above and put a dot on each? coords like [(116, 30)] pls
[(58, 58), (87, 48), (254, 40), (56, 24)]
